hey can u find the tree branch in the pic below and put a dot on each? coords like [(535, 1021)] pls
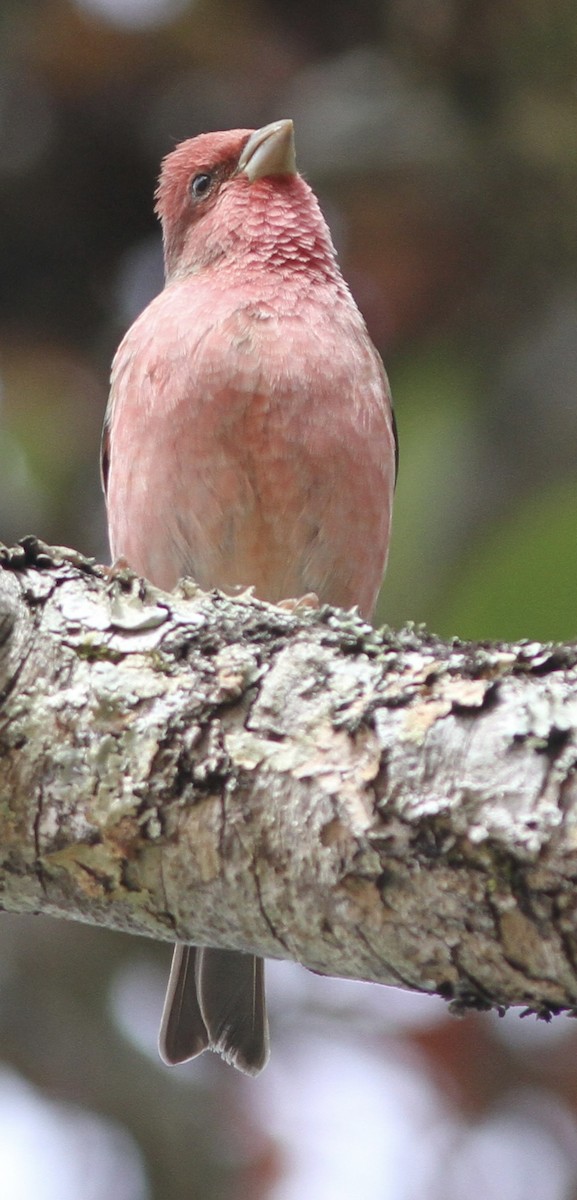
[(375, 805)]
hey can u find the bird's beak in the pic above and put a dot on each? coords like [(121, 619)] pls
[(269, 151)]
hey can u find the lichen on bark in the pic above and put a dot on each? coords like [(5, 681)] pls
[(377, 805)]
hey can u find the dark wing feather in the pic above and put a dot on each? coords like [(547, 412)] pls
[(105, 455), (396, 437)]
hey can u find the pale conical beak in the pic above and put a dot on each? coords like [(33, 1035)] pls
[(269, 151)]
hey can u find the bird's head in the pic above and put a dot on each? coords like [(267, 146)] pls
[(237, 196)]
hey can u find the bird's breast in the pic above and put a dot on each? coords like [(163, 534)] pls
[(259, 453)]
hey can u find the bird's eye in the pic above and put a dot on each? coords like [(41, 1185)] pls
[(201, 185)]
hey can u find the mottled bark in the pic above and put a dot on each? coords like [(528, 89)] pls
[(378, 805)]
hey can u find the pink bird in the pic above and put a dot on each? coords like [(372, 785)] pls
[(249, 441)]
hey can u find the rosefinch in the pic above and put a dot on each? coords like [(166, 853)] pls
[(249, 440)]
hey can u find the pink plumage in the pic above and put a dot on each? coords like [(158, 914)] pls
[(249, 438)]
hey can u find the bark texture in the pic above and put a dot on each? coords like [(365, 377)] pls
[(377, 805)]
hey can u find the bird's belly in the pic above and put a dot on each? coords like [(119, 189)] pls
[(259, 495)]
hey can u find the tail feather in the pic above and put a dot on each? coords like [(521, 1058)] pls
[(183, 1033), (215, 1000), (232, 1001)]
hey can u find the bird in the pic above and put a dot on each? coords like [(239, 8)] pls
[(249, 442)]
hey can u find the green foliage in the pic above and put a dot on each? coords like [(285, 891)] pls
[(520, 579)]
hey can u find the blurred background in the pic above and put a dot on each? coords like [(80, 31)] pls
[(441, 137)]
